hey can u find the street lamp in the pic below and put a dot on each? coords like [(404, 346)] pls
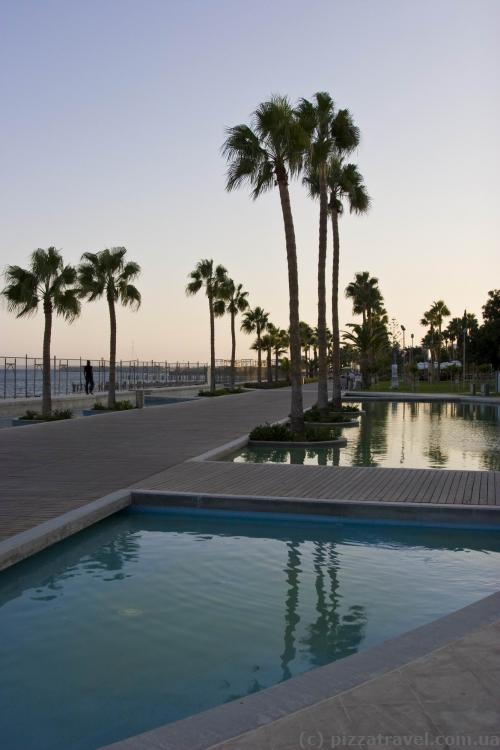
[(403, 329), (412, 335)]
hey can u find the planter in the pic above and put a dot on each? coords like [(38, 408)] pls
[(336, 442), (332, 425), (346, 413), (20, 422)]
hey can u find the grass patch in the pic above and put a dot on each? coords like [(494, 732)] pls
[(220, 392), (56, 415), (443, 386), (119, 406), (281, 433)]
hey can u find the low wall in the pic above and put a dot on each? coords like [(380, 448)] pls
[(15, 407)]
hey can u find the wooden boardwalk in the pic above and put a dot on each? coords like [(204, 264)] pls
[(435, 486), (48, 469)]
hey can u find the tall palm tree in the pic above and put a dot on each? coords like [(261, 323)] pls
[(50, 283), (440, 312), (316, 118), (233, 300), (429, 321), (107, 274), (211, 278), (266, 155), (345, 183), (281, 342), (255, 321)]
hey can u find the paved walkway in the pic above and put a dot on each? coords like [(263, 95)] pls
[(48, 469)]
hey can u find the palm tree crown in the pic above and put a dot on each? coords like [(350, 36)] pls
[(107, 274), (271, 149), (47, 281)]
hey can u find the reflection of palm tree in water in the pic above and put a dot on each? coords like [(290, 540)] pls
[(332, 636), (291, 616), (112, 556), (372, 435)]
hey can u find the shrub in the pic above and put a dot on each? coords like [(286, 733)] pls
[(220, 392), (123, 405), (314, 415), (61, 414), (266, 385), (119, 406), (282, 433), (344, 407), (54, 417)]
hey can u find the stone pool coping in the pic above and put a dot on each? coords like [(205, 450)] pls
[(20, 546)]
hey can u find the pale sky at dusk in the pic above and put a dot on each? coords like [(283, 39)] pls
[(112, 118)]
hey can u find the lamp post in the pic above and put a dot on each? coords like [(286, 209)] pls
[(394, 367), (464, 334), (412, 336), (403, 329)]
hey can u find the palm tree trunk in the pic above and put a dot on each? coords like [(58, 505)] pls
[(322, 354), (337, 392), (112, 355), (439, 354), (259, 360), (269, 367), (233, 351), (297, 409), (276, 365), (46, 386), (211, 385)]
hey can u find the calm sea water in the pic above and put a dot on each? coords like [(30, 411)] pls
[(412, 435), (147, 618)]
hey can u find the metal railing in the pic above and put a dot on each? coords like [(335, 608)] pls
[(21, 377)]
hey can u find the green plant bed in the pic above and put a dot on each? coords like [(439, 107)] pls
[(332, 423), (266, 385), (56, 416), (281, 434), (330, 417), (344, 409), (221, 392), (119, 406)]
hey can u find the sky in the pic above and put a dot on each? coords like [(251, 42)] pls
[(112, 118)]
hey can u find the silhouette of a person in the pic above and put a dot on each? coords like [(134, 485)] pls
[(88, 373)]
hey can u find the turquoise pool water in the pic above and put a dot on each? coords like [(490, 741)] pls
[(147, 618), (398, 434)]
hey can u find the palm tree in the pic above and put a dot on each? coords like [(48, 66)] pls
[(50, 283), (454, 331), (345, 183), (232, 299), (366, 339), (267, 155), (316, 119), (365, 295), (306, 334), (212, 278), (107, 274), (281, 342), (428, 320), (439, 311), (266, 344), (255, 321)]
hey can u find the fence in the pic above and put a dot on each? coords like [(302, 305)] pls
[(21, 377)]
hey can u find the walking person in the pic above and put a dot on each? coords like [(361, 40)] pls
[(88, 373)]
